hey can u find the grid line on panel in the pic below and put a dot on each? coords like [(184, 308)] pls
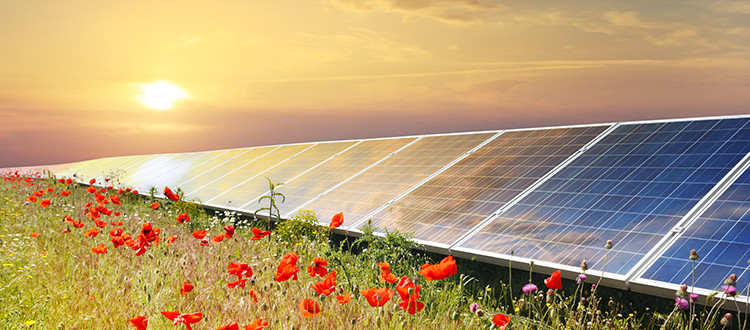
[(691, 217), (213, 181), (369, 190), (541, 180), (720, 234), (264, 171), (244, 151), (305, 172), (316, 183), (631, 187), (281, 173), (419, 184), (425, 180)]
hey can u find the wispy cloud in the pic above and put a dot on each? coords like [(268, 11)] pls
[(460, 12)]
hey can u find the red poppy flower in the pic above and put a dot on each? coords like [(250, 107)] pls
[(217, 239), (172, 196), (68, 181), (317, 267), (377, 297), (445, 268), (99, 223), (116, 232), (118, 241), (44, 203), (344, 299), (182, 218), (65, 231), (337, 220), (228, 231), (155, 205), (92, 181), (199, 234), (31, 198), (258, 234), (171, 239), (287, 268), (501, 320), (91, 232), (120, 191), (253, 296), (239, 269), (256, 325), (139, 322), (115, 200), (235, 284), (327, 286), (231, 326), (186, 287), (204, 243), (385, 273), (135, 192), (91, 190), (309, 308), (554, 281), (99, 249), (65, 193), (35, 234), (403, 287), (186, 319)]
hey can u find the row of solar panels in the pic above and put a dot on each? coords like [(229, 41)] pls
[(552, 195)]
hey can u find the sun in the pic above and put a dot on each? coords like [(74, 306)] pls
[(161, 95)]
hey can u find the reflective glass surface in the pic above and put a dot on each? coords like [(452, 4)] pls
[(721, 236), (452, 203), (247, 194), (166, 168), (632, 187), (338, 169), (196, 178), (255, 167), (367, 191)]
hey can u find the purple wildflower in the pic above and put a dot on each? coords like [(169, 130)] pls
[(693, 297), (729, 290), (681, 303), (581, 278), (474, 307), (529, 288)]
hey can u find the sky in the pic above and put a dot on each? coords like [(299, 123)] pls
[(275, 72)]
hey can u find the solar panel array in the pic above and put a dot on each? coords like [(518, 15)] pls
[(553, 195)]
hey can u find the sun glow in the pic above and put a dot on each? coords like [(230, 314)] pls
[(161, 95)]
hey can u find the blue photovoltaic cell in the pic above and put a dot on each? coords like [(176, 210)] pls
[(455, 201), (721, 235), (631, 187)]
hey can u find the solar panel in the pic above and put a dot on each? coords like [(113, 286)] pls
[(247, 193), (721, 236), (256, 167), (338, 169), (206, 174), (367, 191), (449, 205), (153, 172), (631, 187)]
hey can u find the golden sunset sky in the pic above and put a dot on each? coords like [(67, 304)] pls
[(270, 72)]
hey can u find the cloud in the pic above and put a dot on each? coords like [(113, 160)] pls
[(459, 12)]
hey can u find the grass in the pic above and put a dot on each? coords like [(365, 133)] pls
[(55, 281)]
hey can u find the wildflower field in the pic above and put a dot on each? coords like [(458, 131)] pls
[(83, 257)]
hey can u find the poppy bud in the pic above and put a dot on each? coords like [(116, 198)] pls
[(726, 320), (584, 265), (693, 254), (732, 280), (609, 245), (480, 312)]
